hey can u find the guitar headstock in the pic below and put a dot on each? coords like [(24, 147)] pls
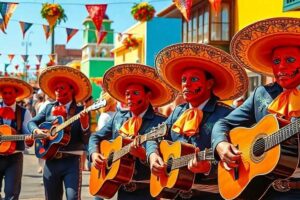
[(98, 104)]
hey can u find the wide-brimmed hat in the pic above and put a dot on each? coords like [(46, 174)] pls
[(24, 90), (252, 46), (231, 80), (117, 78), (50, 76)]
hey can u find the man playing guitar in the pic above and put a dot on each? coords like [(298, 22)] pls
[(16, 117), (275, 51), (203, 80), (140, 88), (68, 87)]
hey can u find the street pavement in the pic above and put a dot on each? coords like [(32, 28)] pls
[(32, 188)]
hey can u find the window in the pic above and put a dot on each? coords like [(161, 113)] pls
[(207, 26), (254, 82)]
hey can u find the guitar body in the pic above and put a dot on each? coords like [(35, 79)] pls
[(7, 147), (177, 179), (47, 148), (106, 182), (256, 173)]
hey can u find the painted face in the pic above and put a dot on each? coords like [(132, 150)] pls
[(196, 88), (63, 92), (136, 98), (286, 66), (9, 95)]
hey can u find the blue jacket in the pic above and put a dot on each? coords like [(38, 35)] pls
[(111, 130), (212, 112), (249, 113), (78, 137)]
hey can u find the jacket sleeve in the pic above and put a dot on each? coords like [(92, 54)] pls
[(241, 116), (37, 120), (105, 133)]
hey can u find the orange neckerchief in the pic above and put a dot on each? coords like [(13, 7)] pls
[(131, 127), (7, 113), (60, 111), (188, 123), (286, 104)]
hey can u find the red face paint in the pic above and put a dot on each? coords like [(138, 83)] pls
[(196, 88), (136, 98), (9, 95), (286, 66), (63, 92)]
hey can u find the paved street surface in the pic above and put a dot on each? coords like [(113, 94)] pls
[(32, 189)]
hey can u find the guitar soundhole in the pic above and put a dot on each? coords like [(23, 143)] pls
[(53, 131), (169, 165), (109, 161), (259, 147)]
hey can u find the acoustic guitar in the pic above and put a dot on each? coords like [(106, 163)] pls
[(8, 139), (120, 164), (47, 148), (268, 153), (176, 156)]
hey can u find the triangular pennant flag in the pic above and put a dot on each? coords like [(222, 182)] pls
[(216, 5), (97, 12), (47, 31), (70, 33), (11, 57), (39, 58), (27, 67), (17, 67), (24, 27), (100, 36), (24, 57), (37, 66), (6, 10), (2, 27), (184, 6), (5, 69), (52, 57)]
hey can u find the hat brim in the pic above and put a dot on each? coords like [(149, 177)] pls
[(79, 82), (231, 80), (24, 90), (252, 46), (117, 79)]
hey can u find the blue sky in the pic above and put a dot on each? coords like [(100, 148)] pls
[(29, 11)]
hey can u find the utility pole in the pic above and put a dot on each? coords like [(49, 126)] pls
[(26, 43)]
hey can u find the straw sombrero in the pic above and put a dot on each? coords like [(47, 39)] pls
[(117, 78), (50, 76), (24, 90), (231, 80), (252, 46)]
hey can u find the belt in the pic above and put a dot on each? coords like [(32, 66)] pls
[(285, 185), (132, 186), (61, 155)]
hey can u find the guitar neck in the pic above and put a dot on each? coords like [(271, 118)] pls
[(282, 135), (184, 160), (19, 137), (69, 121), (153, 134)]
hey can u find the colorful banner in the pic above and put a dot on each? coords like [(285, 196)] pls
[(100, 36), (52, 57), (184, 6), (97, 13), (6, 10), (24, 27), (37, 66), (24, 57), (2, 27), (47, 31), (70, 33), (39, 58), (17, 67), (216, 5), (10, 57)]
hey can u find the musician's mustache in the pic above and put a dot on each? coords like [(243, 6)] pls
[(196, 91), (292, 75)]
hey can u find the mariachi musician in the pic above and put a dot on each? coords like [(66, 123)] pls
[(13, 120), (68, 87), (273, 49), (204, 75), (140, 88)]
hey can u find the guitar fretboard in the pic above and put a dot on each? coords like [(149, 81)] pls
[(282, 135), (184, 160), (19, 137)]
